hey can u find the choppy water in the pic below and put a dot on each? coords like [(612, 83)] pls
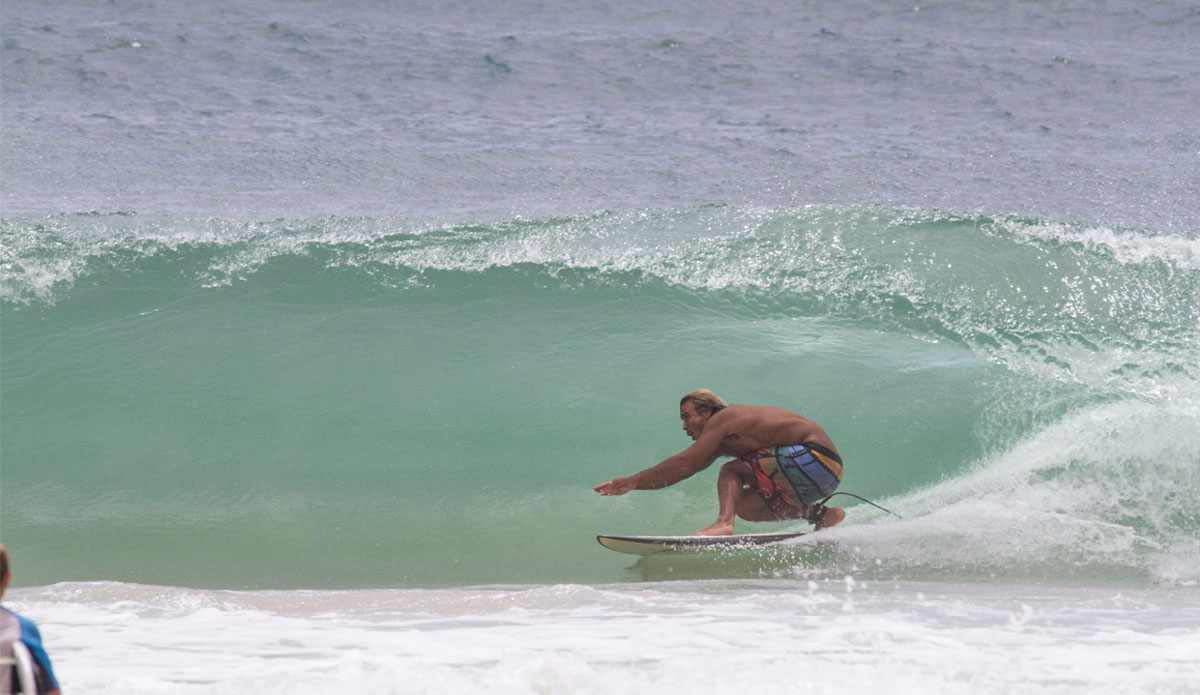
[(1059, 110), (317, 325)]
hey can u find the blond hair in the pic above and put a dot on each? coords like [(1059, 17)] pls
[(703, 398)]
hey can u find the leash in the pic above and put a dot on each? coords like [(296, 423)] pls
[(863, 499)]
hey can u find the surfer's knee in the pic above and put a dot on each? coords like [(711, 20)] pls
[(728, 470)]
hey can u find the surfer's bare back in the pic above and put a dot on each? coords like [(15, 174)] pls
[(787, 461)]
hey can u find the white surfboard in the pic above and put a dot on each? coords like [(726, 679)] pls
[(656, 545)]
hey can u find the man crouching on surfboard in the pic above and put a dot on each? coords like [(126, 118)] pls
[(784, 463)]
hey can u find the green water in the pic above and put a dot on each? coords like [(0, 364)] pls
[(344, 403)]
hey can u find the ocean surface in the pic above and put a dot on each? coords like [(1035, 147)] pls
[(319, 321)]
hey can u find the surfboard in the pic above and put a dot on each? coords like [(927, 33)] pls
[(658, 545)]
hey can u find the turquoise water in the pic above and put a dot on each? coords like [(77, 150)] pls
[(363, 402)]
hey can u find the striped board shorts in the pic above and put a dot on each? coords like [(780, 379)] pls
[(795, 475)]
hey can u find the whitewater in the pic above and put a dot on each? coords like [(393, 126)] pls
[(318, 325)]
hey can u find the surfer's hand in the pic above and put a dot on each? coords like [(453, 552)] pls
[(616, 486)]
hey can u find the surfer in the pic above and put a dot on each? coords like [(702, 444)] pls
[(783, 463)]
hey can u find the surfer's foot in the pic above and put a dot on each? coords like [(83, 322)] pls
[(832, 516), (721, 528)]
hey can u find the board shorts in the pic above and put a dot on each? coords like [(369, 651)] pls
[(795, 475)]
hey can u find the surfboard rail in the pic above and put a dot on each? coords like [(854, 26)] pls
[(657, 545)]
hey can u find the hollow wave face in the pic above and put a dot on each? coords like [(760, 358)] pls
[(1023, 391)]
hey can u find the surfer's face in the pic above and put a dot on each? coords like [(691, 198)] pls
[(693, 422)]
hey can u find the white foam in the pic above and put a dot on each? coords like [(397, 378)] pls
[(1126, 246), (690, 637), (1107, 493)]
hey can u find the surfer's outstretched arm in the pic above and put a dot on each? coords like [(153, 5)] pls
[(683, 465)]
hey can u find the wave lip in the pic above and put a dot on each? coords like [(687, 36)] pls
[(1049, 297)]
